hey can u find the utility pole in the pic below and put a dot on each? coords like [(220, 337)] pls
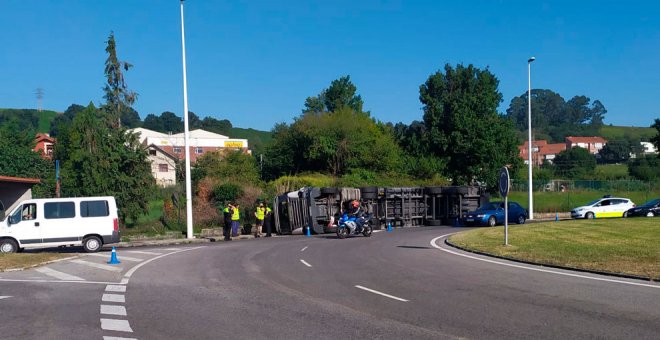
[(189, 217), (39, 93)]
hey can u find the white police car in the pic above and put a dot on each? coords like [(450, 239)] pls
[(604, 207)]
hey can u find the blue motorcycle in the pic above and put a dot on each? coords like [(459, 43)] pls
[(354, 225)]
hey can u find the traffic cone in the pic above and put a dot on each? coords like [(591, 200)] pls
[(389, 227), (308, 233), (113, 257)]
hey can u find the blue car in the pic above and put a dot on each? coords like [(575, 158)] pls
[(492, 213)]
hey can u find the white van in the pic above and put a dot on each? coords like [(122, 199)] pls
[(51, 222)]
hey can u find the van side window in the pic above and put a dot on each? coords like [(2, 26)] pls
[(29, 211), (59, 210), (94, 208)]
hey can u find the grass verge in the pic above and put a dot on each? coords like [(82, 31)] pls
[(14, 261), (626, 246)]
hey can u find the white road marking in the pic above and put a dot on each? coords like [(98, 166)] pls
[(377, 231), (62, 281), (113, 310), (303, 248), (130, 272), (305, 263), (113, 298), (116, 338), (57, 274), (381, 293), (172, 249), (433, 244), (116, 325), (98, 265), (4, 297), (115, 288), (120, 258), (142, 252)]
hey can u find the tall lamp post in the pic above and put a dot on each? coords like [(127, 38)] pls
[(189, 220), (529, 131)]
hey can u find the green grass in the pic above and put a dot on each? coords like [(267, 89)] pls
[(619, 132), (45, 118), (608, 172), (257, 139), (551, 202), (627, 246), (13, 261)]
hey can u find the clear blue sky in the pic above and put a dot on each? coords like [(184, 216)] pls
[(255, 62)]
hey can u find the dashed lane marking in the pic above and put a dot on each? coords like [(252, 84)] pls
[(116, 338), (57, 274), (305, 263), (303, 248), (4, 297), (142, 252), (113, 298), (121, 258), (435, 245), (113, 310), (115, 288), (381, 293), (171, 249), (98, 265), (116, 325)]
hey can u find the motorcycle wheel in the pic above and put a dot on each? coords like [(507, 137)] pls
[(367, 230), (342, 232)]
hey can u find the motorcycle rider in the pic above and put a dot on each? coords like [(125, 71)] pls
[(355, 211)]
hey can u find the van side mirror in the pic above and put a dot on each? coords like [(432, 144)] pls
[(12, 220)]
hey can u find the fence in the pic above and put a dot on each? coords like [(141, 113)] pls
[(564, 195)]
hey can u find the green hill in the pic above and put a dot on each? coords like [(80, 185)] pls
[(257, 139), (629, 132), (40, 121)]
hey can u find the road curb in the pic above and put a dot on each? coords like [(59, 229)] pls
[(620, 275)]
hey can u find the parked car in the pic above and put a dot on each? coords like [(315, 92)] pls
[(89, 222), (492, 213), (604, 207), (648, 209)]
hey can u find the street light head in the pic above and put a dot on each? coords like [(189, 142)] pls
[(531, 59)]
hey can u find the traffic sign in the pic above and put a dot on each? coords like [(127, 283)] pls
[(504, 181)]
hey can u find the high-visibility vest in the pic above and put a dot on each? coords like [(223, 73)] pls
[(260, 213), (236, 215), (226, 210)]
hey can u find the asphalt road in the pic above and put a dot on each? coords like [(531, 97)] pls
[(390, 286)]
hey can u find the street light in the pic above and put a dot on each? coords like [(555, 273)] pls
[(529, 130), (189, 220)]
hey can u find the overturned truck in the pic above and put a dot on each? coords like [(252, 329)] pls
[(317, 208)]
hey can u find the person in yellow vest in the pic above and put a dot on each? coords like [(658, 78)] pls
[(235, 220), (260, 213)]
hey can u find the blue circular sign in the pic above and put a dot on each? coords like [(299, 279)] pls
[(504, 181)]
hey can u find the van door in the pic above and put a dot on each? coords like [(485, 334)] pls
[(26, 224), (60, 223)]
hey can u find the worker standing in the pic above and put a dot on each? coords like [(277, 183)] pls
[(235, 220), (226, 227), (259, 214), (267, 217)]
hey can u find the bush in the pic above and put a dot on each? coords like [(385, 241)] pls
[(645, 168), (226, 192)]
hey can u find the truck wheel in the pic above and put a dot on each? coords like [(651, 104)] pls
[(8, 246), (92, 244)]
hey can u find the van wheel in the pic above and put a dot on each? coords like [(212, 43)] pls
[(92, 244), (8, 246)]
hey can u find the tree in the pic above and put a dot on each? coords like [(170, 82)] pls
[(167, 122), (99, 159), (656, 140), (554, 118), (233, 166), (117, 95), (645, 168), (574, 163), (615, 151), (340, 94), (464, 128), (17, 159), (336, 137), (64, 120)]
